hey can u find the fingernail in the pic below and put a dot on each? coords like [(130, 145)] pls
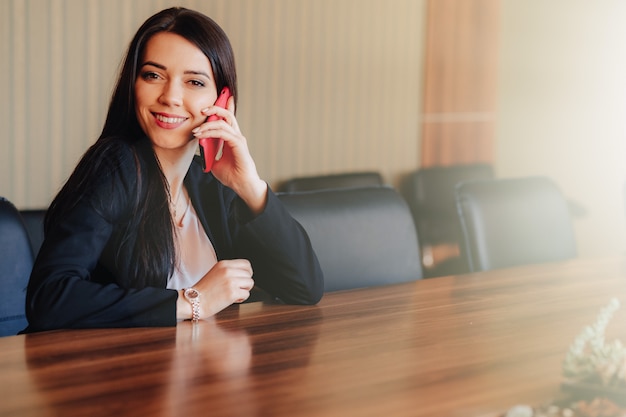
[(195, 130)]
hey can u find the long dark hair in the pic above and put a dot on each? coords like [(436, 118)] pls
[(148, 236)]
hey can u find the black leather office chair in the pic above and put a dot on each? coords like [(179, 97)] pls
[(362, 236), (430, 195), (344, 180), (515, 221), (16, 263)]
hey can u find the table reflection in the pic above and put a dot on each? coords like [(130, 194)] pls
[(166, 371), (205, 351)]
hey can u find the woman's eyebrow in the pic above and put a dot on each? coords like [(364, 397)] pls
[(154, 64), (198, 73), (163, 67)]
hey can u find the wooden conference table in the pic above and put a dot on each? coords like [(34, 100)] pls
[(470, 345)]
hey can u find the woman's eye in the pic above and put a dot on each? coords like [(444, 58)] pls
[(197, 83), (149, 75)]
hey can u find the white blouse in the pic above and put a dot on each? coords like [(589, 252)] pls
[(196, 255)]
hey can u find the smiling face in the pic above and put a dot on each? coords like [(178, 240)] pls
[(174, 84)]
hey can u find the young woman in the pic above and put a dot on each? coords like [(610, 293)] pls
[(140, 235)]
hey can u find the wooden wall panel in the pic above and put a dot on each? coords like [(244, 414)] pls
[(458, 120)]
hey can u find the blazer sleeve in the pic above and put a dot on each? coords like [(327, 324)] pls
[(280, 252), (65, 292)]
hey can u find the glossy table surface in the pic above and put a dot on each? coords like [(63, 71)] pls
[(468, 345)]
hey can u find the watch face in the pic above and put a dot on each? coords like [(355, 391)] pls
[(191, 293)]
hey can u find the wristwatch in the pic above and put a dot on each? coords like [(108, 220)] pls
[(193, 296)]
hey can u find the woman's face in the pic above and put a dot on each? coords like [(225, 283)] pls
[(174, 84)]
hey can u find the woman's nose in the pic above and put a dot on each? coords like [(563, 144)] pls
[(172, 94)]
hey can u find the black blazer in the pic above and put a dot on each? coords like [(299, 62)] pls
[(76, 281)]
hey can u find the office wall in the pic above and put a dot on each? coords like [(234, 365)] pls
[(334, 85), (562, 108), (325, 85)]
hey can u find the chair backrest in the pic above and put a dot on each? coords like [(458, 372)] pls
[(16, 263), (430, 193), (362, 236), (514, 221), (33, 220), (344, 180)]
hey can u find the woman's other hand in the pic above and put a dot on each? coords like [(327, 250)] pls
[(228, 282)]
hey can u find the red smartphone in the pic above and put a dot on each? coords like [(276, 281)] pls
[(209, 147)]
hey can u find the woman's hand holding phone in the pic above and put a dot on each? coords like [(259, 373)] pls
[(235, 168)]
